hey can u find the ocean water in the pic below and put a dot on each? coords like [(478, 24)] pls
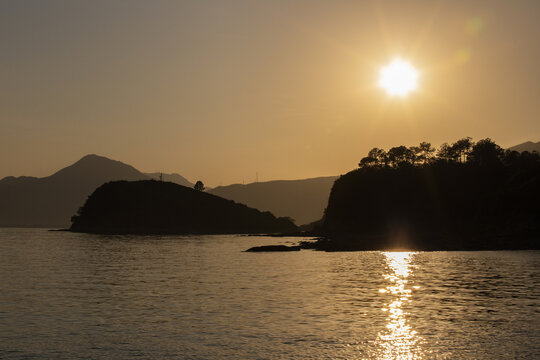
[(77, 296)]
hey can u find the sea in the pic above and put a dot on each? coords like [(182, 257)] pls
[(79, 296)]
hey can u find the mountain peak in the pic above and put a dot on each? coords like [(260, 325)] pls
[(527, 146), (93, 158), (99, 168)]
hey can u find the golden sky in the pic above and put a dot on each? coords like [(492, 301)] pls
[(220, 90)]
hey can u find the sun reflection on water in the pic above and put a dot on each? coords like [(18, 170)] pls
[(398, 340)]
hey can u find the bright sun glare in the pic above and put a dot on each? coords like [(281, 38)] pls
[(398, 78)]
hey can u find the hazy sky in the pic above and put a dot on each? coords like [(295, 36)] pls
[(218, 90)]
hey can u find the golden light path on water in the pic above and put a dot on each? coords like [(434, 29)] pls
[(398, 340)]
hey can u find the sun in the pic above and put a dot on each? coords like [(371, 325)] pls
[(398, 78)]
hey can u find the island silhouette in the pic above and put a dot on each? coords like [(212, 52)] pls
[(158, 207)]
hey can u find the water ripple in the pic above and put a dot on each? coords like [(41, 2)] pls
[(75, 296)]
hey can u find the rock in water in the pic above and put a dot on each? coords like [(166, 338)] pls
[(266, 248)]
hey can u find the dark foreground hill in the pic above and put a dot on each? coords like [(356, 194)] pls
[(303, 200), (470, 198), (155, 207)]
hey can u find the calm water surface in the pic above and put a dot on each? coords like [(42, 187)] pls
[(75, 296)]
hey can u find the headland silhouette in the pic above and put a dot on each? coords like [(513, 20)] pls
[(463, 196)]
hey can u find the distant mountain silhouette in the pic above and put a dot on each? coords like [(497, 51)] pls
[(52, 200), (302, 200), (155, 207), (527, 146), (174, 178)]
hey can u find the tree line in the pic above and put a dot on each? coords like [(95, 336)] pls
[(483, 152)]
